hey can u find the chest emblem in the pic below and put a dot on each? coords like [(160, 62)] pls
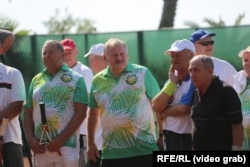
[(131, 79), (66, 77)]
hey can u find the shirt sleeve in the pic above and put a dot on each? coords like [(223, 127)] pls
[(18, 87), (88, 77), (92, 101), (232, 105), (152, 86), (81, 94), (29, 101), (187, 98)]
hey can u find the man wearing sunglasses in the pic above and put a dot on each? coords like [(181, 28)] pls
[(204, 45)]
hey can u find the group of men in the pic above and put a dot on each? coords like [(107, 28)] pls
[(197, 110), (108, 109)]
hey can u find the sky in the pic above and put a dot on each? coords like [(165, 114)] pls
[(122, 15)]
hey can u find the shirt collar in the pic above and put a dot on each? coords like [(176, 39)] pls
[(63, 68), (107, 71)]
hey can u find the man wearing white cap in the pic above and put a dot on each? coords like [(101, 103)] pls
[(97, 64), (242, 87), (95, 55), (174, 100), (204, 45)]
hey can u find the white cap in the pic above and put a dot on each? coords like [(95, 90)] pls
[(242, 52), (180, 45), (96, 49)]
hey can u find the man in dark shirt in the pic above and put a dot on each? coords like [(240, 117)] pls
[(216, 109)]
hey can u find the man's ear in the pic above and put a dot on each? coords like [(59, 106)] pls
[(7, 43), (104, 57), (76, 51), (211, 70)]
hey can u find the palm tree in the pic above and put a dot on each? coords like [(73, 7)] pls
[(213, 23), (168, 13)]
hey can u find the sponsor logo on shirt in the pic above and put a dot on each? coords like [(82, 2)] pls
[(131, 79)]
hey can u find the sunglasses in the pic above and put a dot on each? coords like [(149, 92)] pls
[(206, 43)]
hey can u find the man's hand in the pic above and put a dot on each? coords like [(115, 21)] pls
[(160, 143), (56, 144), (93, 152), (173, 75), (36, 146)]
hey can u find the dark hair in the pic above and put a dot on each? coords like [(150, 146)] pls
[(4, 34)]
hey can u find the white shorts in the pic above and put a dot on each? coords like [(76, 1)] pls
[(53, 159)]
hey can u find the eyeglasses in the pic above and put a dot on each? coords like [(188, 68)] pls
[(206, 43)]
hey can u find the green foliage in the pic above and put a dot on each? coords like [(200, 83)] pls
[(239, 19), (12, 25), (213, 23), (191, 24), (68, 24), (85, 26), (16, 49), (7, 23)]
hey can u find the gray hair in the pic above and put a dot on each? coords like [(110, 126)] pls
[(114, 42), (207, 61), (55, 43)]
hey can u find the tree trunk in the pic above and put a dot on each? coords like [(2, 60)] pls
[(168, 13)]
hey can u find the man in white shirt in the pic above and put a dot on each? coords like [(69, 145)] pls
[(97, 64), (12, 96), (204, 45)]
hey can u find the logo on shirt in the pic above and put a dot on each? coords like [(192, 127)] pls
[(131, 79), (66, 77)]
